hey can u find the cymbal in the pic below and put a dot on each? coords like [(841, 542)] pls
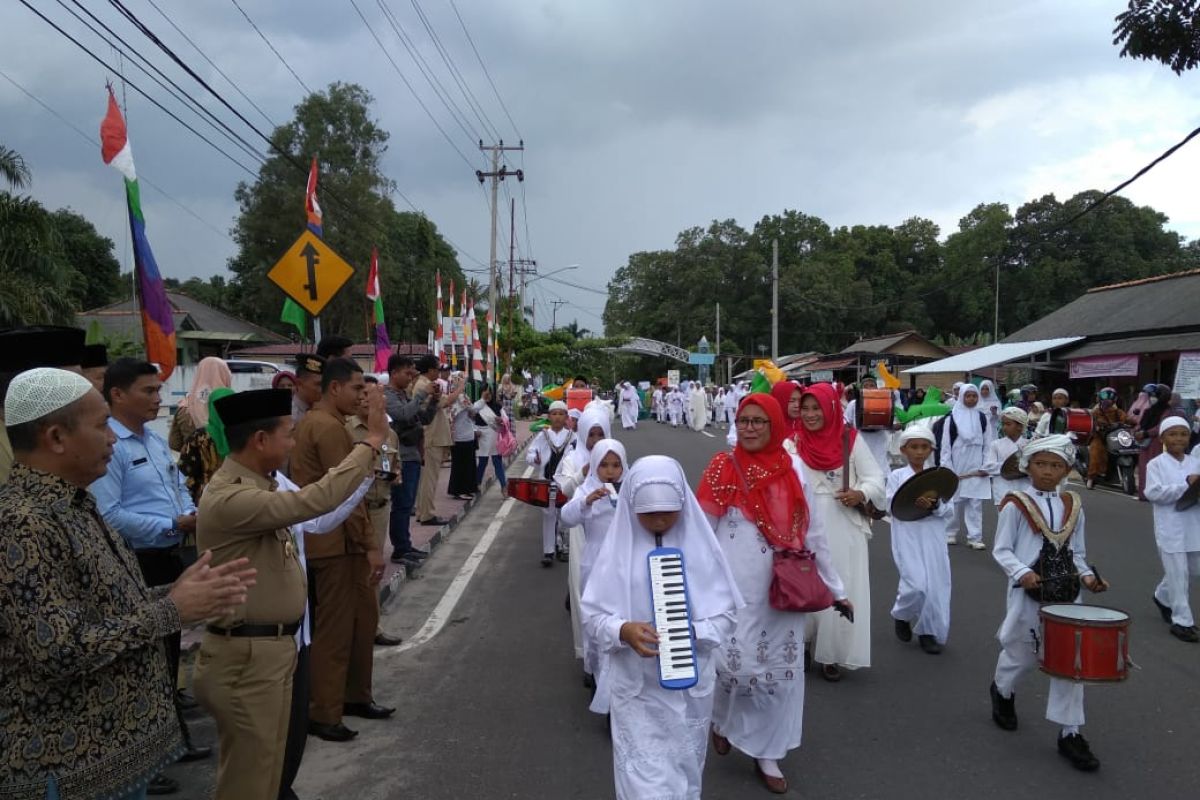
[(938, 482), (1010, 470), (1189, 498)]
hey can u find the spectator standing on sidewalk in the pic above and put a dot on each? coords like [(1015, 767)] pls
[(144, 497), (437, 438), (99, 626), (410, 412), (308, 384)]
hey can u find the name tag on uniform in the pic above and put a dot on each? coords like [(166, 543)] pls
[(137, 462)]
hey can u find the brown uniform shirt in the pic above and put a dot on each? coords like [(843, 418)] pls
[(322, 441), (241, 515), (380, 493)]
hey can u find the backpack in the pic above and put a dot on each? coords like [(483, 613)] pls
[(940, 426), (1055, 563)]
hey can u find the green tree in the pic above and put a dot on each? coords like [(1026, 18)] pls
[(13, 169), (1167, 31), (97, 273), (337, 127)]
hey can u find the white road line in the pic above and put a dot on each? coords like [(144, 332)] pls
[(709, 435), (445, 607)]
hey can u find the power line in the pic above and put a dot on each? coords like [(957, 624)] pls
[(263, 36), (93, 141), (603, 292), (456, 74), (211, 63), (135, 87), (491, 82)]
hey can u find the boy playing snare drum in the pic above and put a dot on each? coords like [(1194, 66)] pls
[(1029, 522)]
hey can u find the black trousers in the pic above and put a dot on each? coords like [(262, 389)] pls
[(297, 733), (160, 567)]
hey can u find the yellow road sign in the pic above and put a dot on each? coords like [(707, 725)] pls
[(310, 272)]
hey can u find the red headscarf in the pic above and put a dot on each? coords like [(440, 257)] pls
[(767, 492), (782, 392), (823, 449)]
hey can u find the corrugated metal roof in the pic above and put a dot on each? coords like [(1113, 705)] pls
[(993, 354), (1167, 301), (188, 313), (1139, 344)]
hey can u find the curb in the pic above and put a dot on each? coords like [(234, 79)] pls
[(390, 590)]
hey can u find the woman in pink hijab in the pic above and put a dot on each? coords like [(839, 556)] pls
[(192, 413)]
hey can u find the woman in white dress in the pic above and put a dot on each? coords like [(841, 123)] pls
[(819, 432), (697, 408), (631, 404), (659, 735), (755, 500)]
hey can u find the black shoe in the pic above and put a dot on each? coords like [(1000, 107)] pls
[(370, 710), (1185, 634), (929, 644), (831, 673), (1004, 709), (416, 553), (397, 558), (331, 733), (184, 701), (436, 522), (161, 784), (567, 603), (384, 640), (903, 630), (194, 753), (562, 555), (1163, 611), (589, 681), (1075, 749)]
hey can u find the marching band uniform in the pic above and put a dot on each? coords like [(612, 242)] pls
[(546, 447), (1177, 533), (659, 735), (999, 451)]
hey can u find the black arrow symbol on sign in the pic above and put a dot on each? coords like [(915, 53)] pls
[(313, 257)]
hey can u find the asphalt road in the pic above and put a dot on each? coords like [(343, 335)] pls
[(492, 705)]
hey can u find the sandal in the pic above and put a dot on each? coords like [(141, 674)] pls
[(831, 673)]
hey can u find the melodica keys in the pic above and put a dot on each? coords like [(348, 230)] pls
[(672, 619)]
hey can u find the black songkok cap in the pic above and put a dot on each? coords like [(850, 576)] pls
[(41, 346), (242, 407), (308, 362), (94, 355)]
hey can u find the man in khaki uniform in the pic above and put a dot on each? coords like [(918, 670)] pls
[(344, 568), (244, 667), (437, 439), (379, 496)]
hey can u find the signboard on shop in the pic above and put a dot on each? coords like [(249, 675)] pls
[(1118, 366)]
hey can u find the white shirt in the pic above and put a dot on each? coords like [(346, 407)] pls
[(1166, 481)]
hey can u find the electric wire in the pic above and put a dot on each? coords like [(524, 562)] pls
[(456, 74), (486, 73), (278, 55)]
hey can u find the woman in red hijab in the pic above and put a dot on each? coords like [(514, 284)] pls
[(755, 500), (822, 442)]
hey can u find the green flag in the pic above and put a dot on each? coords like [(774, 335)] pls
[(294, 315)]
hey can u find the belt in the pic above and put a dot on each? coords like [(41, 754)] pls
[(375, 505), (257, 630)]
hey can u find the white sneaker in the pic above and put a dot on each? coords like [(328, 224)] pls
[(951, 540), (977, 545)]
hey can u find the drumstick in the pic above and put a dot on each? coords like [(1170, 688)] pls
[(1096, 574)]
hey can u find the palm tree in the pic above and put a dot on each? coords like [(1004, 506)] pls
[(13, 168), (576, 331)]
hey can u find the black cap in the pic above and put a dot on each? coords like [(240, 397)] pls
[(94, 355), (310, 363), (40, 346), (242, 407)]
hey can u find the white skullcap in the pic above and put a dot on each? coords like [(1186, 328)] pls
[(37, 392), (1059, 444), (1172, 422), (917, 432), (1016, 415), (574, 413), (1063, 392), (558, 405), (657, 496)]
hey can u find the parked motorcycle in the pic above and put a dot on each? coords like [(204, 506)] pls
[(1123, 452)]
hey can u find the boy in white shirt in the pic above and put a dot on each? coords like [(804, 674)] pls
[(546, 451), (1177, 533)]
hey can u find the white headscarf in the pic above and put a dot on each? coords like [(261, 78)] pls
[(916, 432), (1059, 444), (620, 580), (991, 401), (603, 447), (966, 420), (592, 417), (1016, 414)]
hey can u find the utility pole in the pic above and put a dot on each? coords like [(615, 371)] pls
[(774, 299), (996, 314), (497, 174), (554, 313), (512, 255), (717, 363), (524, 267)]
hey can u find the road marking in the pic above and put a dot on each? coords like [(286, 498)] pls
[(709, 435), (445, 607)]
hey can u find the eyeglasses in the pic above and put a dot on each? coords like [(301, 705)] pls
[(753, 423)]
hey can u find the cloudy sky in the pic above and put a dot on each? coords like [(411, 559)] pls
[(640, 118)]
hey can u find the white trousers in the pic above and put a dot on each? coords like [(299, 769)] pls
[(1064, 705), (968, 510), (549, 529), (1172, 590), (676, 413)]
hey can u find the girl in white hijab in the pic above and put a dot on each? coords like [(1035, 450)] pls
[(591, 511), (660, 736), (990, 404), (631, 404), (963, 449)]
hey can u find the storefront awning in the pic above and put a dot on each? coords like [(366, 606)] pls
[(1139, 344), (992, 355)]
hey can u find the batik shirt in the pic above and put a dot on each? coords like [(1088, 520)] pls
[(86, 702)]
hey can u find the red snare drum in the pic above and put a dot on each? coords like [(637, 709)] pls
[(1079, 421), (578, 399), (1089, 644), (873, 411), (534, 491)]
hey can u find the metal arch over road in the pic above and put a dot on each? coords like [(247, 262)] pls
[(653, 347)]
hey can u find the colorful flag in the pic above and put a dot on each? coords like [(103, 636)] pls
[(487, 351), (476, 348), (311, 207), (383, 348), (158, 326), (453, 337), (437, 337), (294, 314)]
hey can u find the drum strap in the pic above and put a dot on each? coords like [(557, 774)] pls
[(1033, 515)]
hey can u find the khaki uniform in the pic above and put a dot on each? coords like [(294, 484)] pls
[(438, 442), (246, 682), (379, 496), (6, 454), (345, 604)]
